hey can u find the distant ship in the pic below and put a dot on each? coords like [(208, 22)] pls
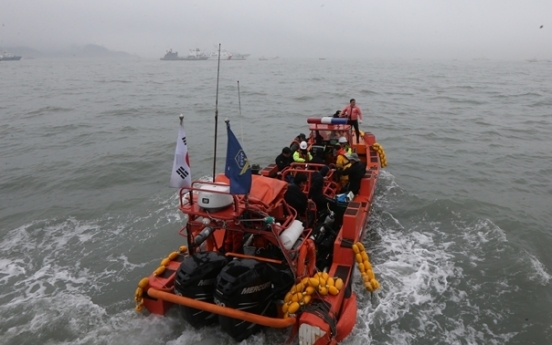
[(194, 54), (262, 58), (9, 57), (225, 55)]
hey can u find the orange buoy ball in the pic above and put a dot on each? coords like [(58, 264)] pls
[(361, 247), (173, 255), (165, 262), (355, 249), (364, 256)]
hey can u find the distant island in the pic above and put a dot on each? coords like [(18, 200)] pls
[(87, 51)]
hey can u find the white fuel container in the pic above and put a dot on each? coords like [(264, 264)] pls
[(291, 234)]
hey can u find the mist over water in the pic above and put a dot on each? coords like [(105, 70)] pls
[(459, 237)]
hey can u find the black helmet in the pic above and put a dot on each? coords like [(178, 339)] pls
[(302, 136)]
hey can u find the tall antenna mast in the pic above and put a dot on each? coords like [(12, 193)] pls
[(239, 105), (216, 117)]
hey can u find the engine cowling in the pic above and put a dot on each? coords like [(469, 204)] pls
[(196, 278)]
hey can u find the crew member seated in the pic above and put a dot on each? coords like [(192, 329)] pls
[(317, 188), (284, 159), (355, 172), (302, 155), (294, 195), (294, 146), (344, 146)]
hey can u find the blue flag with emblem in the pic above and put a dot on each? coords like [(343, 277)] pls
[(237, 168)]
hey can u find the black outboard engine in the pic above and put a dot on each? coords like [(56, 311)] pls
[(196, 279), (244, 284)]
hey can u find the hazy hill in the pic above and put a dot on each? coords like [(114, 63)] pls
[(88, 51)]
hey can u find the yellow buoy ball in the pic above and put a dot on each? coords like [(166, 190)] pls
[(183, 249), (339, 283), (322, 290), (368, 286), (143, 283), (288, 297), (307, 299), (165, 262), (293, 307), (285, 308), (159, 271), (173, 255), (355, 248), (361, 246), (332, 290), (314, 282)]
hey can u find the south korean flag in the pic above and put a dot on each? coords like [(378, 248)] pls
[(181, 176)]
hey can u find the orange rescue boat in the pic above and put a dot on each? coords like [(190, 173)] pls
[(252, 261)]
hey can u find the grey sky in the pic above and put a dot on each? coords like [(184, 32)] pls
[(508, 29)]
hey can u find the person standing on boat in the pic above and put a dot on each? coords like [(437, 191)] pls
[(284, 159), (302, 155), (354, 115), (294, 195), (356, 172)]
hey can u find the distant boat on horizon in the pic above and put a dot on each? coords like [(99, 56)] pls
[(194, 54), (262, 58), (9, 57), (225, 55)]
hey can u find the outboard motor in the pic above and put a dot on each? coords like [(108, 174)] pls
[(244, 284), (196, 279)]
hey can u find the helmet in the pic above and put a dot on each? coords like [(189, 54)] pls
[(343, 140), (302, 136), (303, 145)]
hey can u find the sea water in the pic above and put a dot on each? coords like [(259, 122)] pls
[(460, 235)]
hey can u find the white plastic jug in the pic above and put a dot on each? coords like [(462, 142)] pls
[(291, 234)]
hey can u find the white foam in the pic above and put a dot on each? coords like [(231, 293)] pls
[(538, 272)]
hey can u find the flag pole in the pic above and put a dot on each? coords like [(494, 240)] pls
[(216, 117)]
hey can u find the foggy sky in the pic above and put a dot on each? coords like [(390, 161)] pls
[(464, 29)]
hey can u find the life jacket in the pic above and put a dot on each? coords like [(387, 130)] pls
[(341, 161), (344, 179)]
